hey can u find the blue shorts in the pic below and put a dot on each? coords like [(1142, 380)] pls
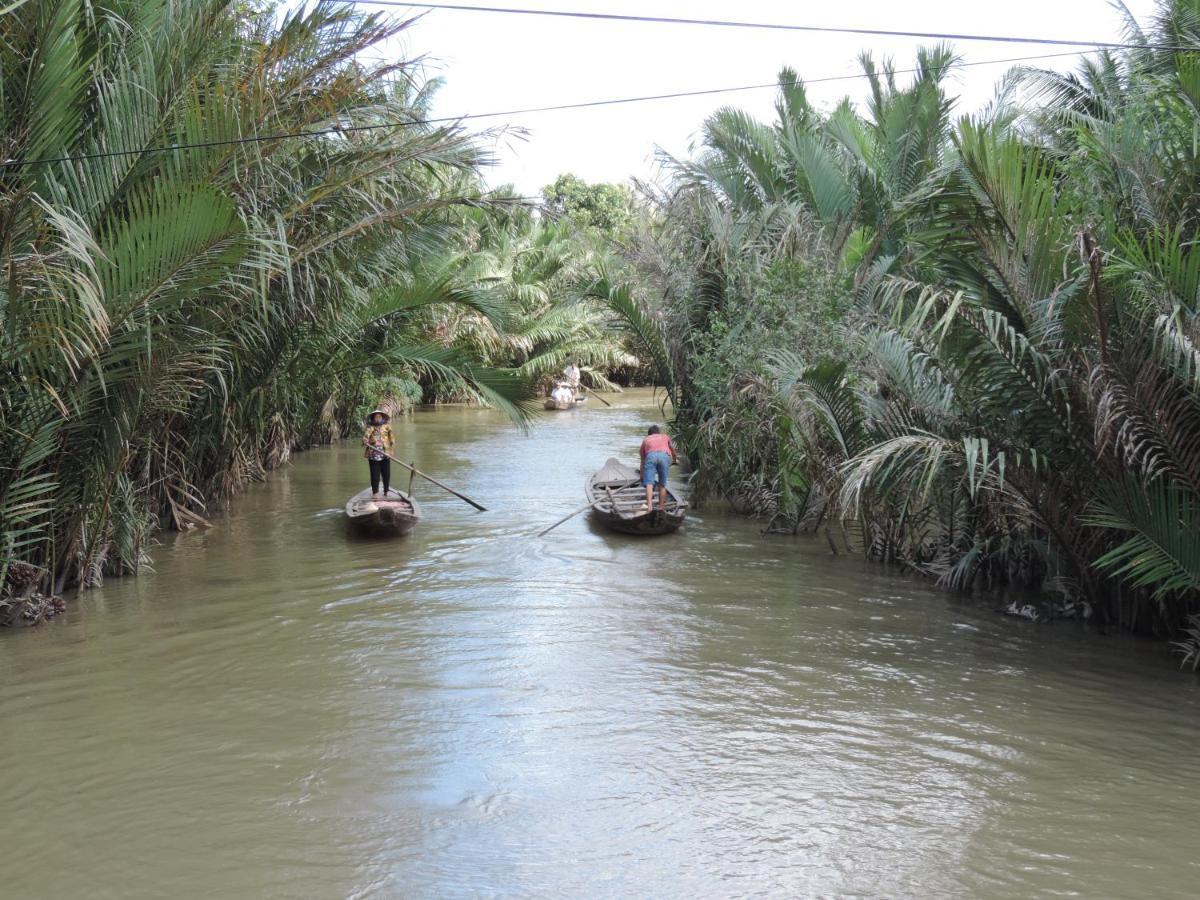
[(656, 463)]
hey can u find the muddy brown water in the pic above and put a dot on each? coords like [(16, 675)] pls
[(282, 711)]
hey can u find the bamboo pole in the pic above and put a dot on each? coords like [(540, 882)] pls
[(444, 487), (594, 394), (563, 519)]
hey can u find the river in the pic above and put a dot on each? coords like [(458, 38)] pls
[(281, 711)]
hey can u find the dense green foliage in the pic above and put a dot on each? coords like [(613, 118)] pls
[(533, 268), (967, 346), (606, 208), (972, 341), (173, 324)]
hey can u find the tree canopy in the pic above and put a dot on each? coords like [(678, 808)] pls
[(605, 207), (969, 344)]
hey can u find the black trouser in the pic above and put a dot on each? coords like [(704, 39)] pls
[(380, 468)]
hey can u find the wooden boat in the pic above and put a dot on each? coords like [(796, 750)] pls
[(396, 515), (559, 405), (618, 501), (575, 402)]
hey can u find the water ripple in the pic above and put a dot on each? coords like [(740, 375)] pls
[(282, 711)]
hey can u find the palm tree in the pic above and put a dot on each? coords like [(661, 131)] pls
[(529, 267), (170, 316), (1017, 399)]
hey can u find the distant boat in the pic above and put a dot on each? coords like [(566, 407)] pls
[(619, 501), (560, 402), (398, 514), (558, 405)]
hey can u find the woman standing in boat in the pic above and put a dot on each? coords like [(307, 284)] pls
[(378, 444)]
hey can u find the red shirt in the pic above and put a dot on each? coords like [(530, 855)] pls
[(656, 443)]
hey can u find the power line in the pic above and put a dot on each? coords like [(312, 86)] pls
[(443, 120), (768, 26)]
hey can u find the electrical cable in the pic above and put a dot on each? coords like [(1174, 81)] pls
[(768, 26), (587, 104)]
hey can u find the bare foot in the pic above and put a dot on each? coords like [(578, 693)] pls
[(374, 496)]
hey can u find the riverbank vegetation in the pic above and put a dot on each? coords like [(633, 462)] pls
[(176, 322), (961, 343)]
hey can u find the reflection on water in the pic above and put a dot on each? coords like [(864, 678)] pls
[(283, 711)]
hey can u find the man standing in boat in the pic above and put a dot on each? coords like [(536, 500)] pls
[(378, 444), (658, 454), (572, 374)]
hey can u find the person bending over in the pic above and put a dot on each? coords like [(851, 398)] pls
[(658, 453)]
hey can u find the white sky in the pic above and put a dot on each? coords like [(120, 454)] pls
[(494, 62)]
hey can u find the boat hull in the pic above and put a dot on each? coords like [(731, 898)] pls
[(396, 516), (652, 523), (560, 405)]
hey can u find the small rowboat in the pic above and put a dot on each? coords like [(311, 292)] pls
[(398, 514), (619, 502)]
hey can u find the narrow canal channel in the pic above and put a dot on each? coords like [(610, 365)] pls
[(279, 711)]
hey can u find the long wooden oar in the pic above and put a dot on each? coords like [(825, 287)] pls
[(597, 396), (444, 487), (563, 519)]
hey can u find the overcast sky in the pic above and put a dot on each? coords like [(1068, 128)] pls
[(492, 62)]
